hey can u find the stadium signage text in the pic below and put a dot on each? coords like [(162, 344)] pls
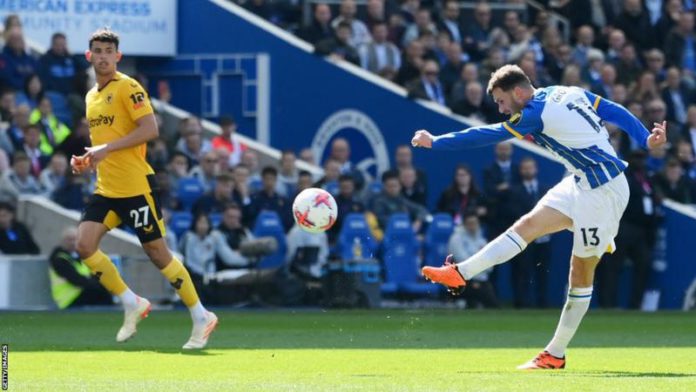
[(147, 27)]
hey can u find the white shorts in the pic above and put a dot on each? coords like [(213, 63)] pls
[(596, 213)]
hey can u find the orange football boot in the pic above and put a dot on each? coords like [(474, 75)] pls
[(544, 361), (448, 275)]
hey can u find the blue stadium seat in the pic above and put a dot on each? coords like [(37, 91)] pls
[(268, 224), (401, 261), (215, 219), (355, 230), (375, 187), (436, 239), (180, 222), (188, 190)]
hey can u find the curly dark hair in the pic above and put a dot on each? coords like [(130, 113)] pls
[(104, 35)]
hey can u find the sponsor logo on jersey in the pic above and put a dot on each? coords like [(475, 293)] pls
[(101, 120), (138, 100)]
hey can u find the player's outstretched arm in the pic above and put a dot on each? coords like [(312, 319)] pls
[(144, 132), (469, 138), (624, 119)]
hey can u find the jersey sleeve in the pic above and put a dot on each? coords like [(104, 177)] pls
[(471, 137), (135, 99), (620, 116), (519, 125), (525, 122)]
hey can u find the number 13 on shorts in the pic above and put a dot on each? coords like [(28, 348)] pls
[(589, 236)]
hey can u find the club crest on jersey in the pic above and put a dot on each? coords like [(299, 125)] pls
[(138, 100), (515, 118), (109, 98)]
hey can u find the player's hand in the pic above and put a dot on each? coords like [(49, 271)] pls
[(422, 138), (96, 154), (658, 136), (79, 164)]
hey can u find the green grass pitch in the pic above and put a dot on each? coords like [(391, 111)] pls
[(381, 350)]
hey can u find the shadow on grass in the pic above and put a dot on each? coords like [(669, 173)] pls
[(593, 374), (626, 374)]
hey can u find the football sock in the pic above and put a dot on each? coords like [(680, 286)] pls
[(129, 299), (575, 308), (500, 250), (179, 278), (101, 266)]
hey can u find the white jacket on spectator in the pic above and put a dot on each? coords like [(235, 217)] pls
[(199, 253), (298, 238), (463, 245)]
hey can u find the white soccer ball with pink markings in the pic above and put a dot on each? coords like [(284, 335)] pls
[(314, 210)]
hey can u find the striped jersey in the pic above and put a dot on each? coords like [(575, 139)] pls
[(570, 123)]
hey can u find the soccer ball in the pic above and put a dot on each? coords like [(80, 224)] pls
[(314, 210)]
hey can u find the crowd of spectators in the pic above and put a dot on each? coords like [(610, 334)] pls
[(641, 54)]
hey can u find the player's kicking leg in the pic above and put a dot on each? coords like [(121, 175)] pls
[(582, 271), (540, 221), (136, 308), (204, 322)]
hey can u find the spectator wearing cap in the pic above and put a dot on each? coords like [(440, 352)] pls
[(15, 238), (229, 140)]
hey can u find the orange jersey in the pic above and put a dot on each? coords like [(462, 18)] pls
[(112, 113)]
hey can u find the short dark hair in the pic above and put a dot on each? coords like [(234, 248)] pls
[(344, 25), (346, 177), (104, 35), (224, 177), (20, 156), (226, 121), (58, 35), (389, 175), (7, 206), (269, 170), (304, 173), (508, 77)]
